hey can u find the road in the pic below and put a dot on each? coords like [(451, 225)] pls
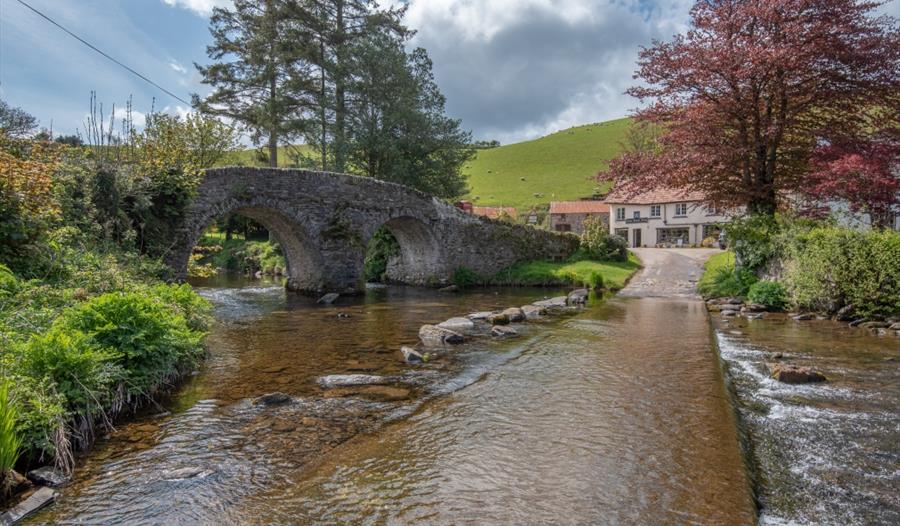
[(668, 272)]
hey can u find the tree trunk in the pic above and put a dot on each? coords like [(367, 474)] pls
[(340, 110)]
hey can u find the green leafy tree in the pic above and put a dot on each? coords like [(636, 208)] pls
[(16, 122), (259, 75), (398, 130)]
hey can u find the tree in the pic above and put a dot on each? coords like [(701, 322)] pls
[(259, 74), (397, 129), (748, 94), (865, 174), (16, 122)]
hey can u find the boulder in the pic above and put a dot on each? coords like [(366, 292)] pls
[(895, 327), (858, 321), (480, 316), (514, 314), (450, 288), (733, 301), (47, 476), (753, 307), (729, 313), (558, 302), (36, 501), (434, 335), (805, 316), (753, 315), (532, 312), (498, 318), (794, 374), (501, 331), (461, 325), (730, 306), (272, 399), (577, 297), (411, 355), (845, 313), (329, 298), (350, 380), (874, 325)]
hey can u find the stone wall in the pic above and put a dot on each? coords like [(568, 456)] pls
[(324, 222)]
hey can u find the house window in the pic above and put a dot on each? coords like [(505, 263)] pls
[(620, 214), (637, 214), (713, 210), (672, 236), (623, 233), (654, 210), (563, 227), (680, 209)]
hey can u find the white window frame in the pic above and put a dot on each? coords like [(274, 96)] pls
[(620, 214), (680, 209), (655, 210)]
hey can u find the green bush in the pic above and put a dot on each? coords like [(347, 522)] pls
[(753, 240), (154, 342), (599, 245), (10, 442), (464, 277), (827, 268), (594, 281), (382, 248), (196, 309), (770, 294)]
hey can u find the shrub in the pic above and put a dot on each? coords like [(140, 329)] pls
[(770, 294), (598, 244), (753, 240), (382, 248), (10, 442), (828, 268), (196, 309), (154, 342), (594, 281), (464, 277)]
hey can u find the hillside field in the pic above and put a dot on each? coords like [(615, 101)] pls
[(561, 166)]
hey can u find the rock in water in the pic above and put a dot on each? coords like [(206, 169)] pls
[(500, 331), (845, 313), (533, 311), (39, 499), (480, 316), (577, 297), (558, 302), (451, 288), (514, 314), (498, 318), (329, 298), (461, 325), (272, 399), (350, 380), (411, 355), (795, 374), (434, 335), (802, 317), (47, 476)]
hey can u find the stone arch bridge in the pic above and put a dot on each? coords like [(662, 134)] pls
[(324, 221)]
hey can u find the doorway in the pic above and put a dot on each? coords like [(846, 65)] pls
[(636, 238)]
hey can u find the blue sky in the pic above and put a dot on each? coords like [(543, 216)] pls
[(511, 69)]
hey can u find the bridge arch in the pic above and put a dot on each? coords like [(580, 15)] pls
[(421, 260)]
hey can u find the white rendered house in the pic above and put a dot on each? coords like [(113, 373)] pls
[(664, 217)]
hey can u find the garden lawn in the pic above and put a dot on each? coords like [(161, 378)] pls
[(548, 273)]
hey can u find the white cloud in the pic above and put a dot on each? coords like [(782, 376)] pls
[(201, 7), (177, 67)]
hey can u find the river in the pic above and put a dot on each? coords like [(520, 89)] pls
[(616, 414)]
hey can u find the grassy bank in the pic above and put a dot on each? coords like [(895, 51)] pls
[(99, 336), (548, 273)]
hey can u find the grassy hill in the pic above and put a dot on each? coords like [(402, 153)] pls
[(248, 157), (561, 166)]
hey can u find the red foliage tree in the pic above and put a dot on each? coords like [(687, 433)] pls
[(753, 91)]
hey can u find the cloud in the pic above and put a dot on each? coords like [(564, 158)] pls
[(518, 69), (201, 7), (177, 67)]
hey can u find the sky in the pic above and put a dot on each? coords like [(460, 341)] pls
[(511, 70)]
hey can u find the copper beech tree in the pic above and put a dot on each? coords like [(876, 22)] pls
[(762, 99)]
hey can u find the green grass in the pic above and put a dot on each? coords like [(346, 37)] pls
[(549, 273), (248, 157), (723, 260), (561, 166)]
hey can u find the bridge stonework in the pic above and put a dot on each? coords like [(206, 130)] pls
[(324, 221)]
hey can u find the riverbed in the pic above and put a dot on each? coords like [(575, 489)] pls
[(614, 414)]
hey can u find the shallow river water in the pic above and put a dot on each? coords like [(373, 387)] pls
[(617, 414)]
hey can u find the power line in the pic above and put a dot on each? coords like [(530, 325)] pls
[(88, 44)]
